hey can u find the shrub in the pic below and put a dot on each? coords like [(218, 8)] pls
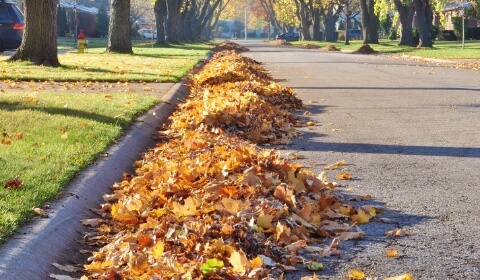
[(393, 34), (473, 33), (457, 27)]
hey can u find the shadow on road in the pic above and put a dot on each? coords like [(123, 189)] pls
[(390, 88)]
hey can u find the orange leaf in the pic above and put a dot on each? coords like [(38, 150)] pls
[(392, 253), (344, 176)]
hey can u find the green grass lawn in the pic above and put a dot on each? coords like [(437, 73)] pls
[(147, 64), (48, 137), (440, 50)]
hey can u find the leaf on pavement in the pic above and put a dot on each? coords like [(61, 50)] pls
[(392, 253), (355, 274), (399, 232), (405, 276)]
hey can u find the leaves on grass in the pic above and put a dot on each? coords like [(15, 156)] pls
[(209, 201), (15, 183)]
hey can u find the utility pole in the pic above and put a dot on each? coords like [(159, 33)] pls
[(246, 6), (463, 24)]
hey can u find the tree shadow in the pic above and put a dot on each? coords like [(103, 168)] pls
[(18, 106)]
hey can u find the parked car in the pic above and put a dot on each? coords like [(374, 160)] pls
[(355, 34), (12, 24), (289, 36), (147, 33)]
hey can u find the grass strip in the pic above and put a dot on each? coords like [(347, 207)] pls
[(47, 138), (147, 64), (440, 50)]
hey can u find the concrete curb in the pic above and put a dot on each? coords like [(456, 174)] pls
[(31, 252)]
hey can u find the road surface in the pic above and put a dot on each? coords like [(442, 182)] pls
[(410, 134)]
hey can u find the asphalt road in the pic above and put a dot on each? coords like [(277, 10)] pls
[(410, 133)]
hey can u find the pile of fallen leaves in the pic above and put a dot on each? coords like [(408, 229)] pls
[(365, 49), (208, 202), (312, 47), (280, 43), (331, 48), (229, 46)]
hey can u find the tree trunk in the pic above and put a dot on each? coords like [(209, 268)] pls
[(406, 17), (369, 22), (39, 44), (330, 18), (173, 10), (317, 35), (304, 17), (425, 18), (160, 10), (269, 9), (119, 30)]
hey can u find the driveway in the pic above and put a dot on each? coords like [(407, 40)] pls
[(410, 134)]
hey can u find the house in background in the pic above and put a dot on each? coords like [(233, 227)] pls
[(453, 10)]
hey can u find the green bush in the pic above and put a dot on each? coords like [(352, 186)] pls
[(473, 33), (434, 32), (393, 34)]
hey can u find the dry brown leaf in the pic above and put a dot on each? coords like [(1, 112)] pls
[(399, 232)]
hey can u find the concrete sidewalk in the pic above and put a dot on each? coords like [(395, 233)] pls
[(58, 238)]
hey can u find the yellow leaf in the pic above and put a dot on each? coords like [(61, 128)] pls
[(265, 221), (406, 276), (98, 266), (189, 208), (158, 250), (344, 176), (361, 217), (345, 209), (355, 274), (392, 253), (256, 262), (64, 135), (239, 261)]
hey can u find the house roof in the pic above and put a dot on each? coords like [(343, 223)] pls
[(80, 8), (454, 6)]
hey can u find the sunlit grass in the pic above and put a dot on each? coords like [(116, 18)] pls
[(147, 64), (47, 138), (440, 50)]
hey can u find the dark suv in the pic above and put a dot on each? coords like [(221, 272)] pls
[(11, 26)]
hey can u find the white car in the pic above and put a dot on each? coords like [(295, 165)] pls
[(147, 33)]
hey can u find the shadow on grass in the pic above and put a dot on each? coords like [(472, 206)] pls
[(18, 106)]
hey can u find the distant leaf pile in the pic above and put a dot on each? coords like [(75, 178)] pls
[(207, 202), (229, 46)]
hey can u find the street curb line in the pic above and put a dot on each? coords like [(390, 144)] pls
[(31, 252)]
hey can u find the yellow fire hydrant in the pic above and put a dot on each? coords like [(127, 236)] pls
[(81, 42)]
